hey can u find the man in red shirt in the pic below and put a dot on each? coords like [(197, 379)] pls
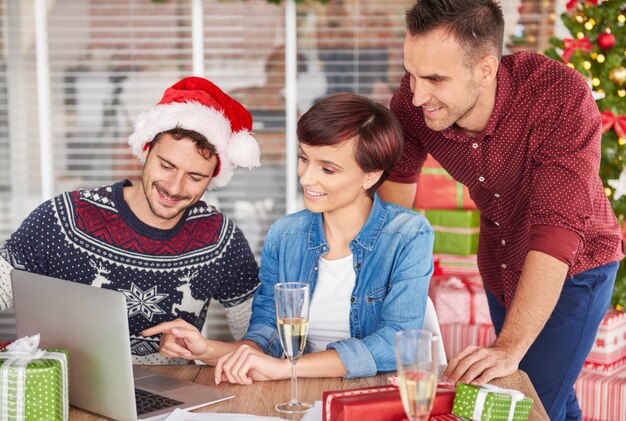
[(522, 132)]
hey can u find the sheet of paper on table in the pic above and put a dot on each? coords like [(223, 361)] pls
[(182, 415)]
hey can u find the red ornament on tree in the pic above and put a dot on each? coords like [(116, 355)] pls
[(606, 41)]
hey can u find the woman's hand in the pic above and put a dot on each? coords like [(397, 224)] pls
[(246, 364), (180, 339)]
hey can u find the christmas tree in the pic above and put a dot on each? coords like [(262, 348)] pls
[(597, 49)]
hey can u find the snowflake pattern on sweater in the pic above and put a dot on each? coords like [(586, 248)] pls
[(92, 237)]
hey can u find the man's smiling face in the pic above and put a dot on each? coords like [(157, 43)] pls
[(442, 83)]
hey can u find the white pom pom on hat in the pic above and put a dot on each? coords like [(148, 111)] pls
[(195, 103)]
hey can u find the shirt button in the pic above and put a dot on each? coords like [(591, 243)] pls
[(503, 265), (503, 242), (474, 145), (497, 195), (369, 299), (352, 299), (358, 266), (315, 268), (481, 178), (324, 248)]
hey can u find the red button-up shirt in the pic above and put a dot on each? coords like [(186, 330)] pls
[(533, 172)]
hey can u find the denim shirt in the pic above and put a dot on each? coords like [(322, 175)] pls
[(392, 260)]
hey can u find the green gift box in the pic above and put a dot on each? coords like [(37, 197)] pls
[(456, 231), (34, 382), (490, 403)]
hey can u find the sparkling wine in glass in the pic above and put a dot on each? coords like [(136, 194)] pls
[(418, 370), (292, 319)]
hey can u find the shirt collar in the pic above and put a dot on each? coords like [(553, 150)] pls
[(366, 238)]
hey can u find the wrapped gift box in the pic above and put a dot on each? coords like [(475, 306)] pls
[(34, 382), (436, 189), (602, 396), (609, 349), (454, 265), (458, 336), (456, 231), (459, 300), (379, 403), (490, 403)]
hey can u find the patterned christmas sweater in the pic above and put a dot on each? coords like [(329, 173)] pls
[(92, 237)]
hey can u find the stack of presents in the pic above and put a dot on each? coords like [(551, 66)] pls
[(457, 291), (456, 288), (601, 387)]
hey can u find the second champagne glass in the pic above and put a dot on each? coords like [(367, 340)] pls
[(292, 318), (418, 371)]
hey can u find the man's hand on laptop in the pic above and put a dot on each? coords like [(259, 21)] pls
[(180, 339)]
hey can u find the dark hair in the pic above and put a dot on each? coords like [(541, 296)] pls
[(478, 25), (203, 146), (344, 116)]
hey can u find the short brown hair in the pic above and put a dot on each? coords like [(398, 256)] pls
[(344, 116), (203, 146), (478, 25)]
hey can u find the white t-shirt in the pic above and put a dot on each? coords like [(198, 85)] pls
[(329, 314)]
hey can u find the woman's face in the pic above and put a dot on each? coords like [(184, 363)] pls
[(331, 178)]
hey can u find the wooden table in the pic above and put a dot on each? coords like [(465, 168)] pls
[(260, 397)]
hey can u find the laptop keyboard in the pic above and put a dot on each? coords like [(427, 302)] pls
[(148, 402)]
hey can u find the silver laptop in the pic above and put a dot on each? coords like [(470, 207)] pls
[(91, 323)]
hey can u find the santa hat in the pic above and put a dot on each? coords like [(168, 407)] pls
[(196, 104)]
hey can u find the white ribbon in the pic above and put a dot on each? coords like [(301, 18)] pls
[(515, 395), (19, 354)]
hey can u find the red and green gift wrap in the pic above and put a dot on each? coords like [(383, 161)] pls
[(456, 231), (436, 189), (458, 336), (459, 300), (378, 403), (490, 403), (602, 396), (454, 265), (609, 349), (33, 382)]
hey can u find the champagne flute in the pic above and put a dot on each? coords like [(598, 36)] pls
[(292, 317), (418, 371)]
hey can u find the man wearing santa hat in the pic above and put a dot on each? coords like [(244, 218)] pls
[(155, 241)]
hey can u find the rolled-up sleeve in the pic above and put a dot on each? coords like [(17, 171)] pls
[(565, 176)]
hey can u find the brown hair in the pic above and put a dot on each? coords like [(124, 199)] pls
[(203, 146), (478, 25), (344, 116)]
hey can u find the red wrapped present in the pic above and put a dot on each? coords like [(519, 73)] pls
[(459, 300), (455, 265), (378, 403), (602, 396), (436, 189), (458, 336), (609, 349)]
